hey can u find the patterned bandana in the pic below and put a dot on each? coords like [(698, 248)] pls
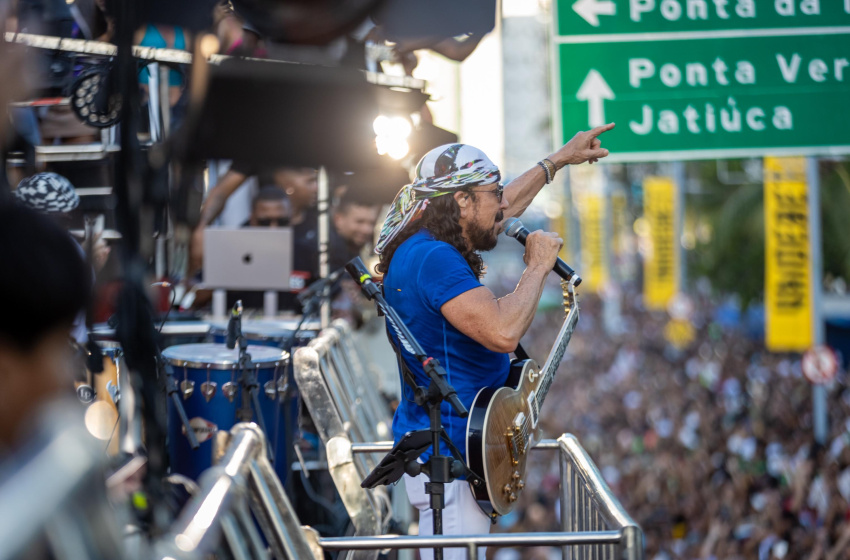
[(443, 170), (47, 192)]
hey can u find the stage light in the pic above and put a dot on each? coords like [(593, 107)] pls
[(95, 99), (391, 136), (393, 127), (396, 148)]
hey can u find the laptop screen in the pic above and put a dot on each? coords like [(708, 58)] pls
[(248, 258)]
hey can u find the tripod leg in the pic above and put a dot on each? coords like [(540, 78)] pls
[(181, 412)]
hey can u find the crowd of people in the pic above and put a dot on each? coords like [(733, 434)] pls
[(710, 447)]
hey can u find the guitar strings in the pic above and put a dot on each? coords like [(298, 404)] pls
[(569, 302)]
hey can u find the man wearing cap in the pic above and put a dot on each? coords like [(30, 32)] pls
[(54, 195), (429, 256)]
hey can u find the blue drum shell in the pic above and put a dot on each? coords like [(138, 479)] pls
[(216, 363)]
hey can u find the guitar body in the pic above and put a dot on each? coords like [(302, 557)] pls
[(500, 433), (502, 425)]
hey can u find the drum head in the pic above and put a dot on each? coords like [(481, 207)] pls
[(290, 324), (110, 348), (101, 419), (258, 330), (268, 329), (219, 356)]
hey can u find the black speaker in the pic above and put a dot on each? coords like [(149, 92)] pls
[(305, 22), (279, 114)]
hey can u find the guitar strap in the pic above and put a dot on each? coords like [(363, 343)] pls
[(411, 380), (520, 352)]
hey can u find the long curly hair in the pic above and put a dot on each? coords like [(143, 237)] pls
[(442, 219)]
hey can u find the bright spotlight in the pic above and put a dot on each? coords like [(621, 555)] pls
[(391, 135), (398, 149), (381, 126), (394, 127), (400, 127)]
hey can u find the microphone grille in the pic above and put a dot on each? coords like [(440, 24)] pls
[(512, 227)]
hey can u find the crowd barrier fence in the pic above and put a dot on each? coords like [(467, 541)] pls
[(340, 396), (219, 514), (594, 524), (52, 493)]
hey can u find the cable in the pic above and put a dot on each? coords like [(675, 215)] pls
[(170, 306), (322, 501), (111, 436)]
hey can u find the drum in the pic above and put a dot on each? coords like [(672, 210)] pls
[(270, 332), (101, 397), (212, 393), (277, 333)]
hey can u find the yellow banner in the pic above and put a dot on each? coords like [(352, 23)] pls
[(594, 261), (787, 279), (661, 261)]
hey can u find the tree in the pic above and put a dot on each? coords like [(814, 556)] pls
[(732, 255)]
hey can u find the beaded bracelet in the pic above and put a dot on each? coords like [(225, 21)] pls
[(545, 163), (546, 171)]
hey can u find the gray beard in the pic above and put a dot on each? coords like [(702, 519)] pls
[(483, 239)]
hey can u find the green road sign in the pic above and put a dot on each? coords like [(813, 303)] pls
[(707, 94), (597, 17)]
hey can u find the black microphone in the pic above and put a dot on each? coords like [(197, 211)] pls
[(514, 228), (361, 275), (317, 287), (234, 325)]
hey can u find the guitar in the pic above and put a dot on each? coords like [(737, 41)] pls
[(503, 422)]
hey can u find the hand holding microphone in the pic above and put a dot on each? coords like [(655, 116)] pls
[(541, 249), (514, 228)]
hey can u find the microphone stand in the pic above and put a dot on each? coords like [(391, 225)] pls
[(248, 374), (440, 469), (172, 389)]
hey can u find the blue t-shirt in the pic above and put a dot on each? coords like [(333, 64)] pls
[(423, 275)]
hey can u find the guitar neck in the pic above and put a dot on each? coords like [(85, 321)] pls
[(558, 349)]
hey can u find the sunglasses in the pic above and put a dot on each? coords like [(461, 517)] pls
[(499, 191), (269, 222)]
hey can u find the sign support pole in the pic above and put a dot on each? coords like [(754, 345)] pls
[(819, 412), (324, 241)]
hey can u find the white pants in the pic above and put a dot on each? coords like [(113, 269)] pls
[(462, 516)]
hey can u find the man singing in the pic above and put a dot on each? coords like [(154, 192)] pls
[(429, 255)]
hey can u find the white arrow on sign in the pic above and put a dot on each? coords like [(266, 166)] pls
[(590, 10), (594, 89)]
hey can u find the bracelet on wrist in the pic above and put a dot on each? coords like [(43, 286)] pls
[(546, 171), (549, 162)]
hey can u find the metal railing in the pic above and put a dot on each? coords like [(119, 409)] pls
[(593, 522), (341, 401), (219, 515), (352, 373), (171, 56), (340, 393), (324, 382), (64, 513)]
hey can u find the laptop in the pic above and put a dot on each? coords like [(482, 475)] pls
[(248, 258)]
